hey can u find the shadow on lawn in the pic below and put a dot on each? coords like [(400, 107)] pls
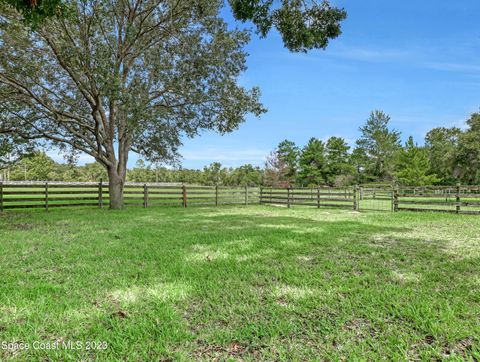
[(266, 277), (264, 287)]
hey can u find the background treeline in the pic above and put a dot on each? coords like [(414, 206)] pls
[(450, 155), (38, 166)]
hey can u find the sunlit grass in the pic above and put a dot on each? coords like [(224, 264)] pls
[(241, 283)]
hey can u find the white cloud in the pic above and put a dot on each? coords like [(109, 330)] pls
[(453, 67), (370, 54), (421, 57), (226, 155)]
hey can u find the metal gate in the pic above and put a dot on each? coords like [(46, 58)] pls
[(375, 198)]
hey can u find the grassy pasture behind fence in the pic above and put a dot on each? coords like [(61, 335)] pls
[(453, 199), (458, 199), (317, 197), (54, 194)]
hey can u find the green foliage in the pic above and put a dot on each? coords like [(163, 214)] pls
[(93, 172), (339, 167), (359, 161), (303, 26), (379, 145), (37, 11), (442, 146), (413, 166), (312, 163), (468, 155), (12, 149), (12, 146), (38, 166), (111, 78), (449, 156), (35, 167), (214, 174), (120, 76), (141, 173), (288, 153), (246, 175)]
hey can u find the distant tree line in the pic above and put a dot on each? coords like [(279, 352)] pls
[(450, 155), (38, 166)]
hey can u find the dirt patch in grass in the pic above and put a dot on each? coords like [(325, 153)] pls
[(361, 328), (462, 347), (212, 352)]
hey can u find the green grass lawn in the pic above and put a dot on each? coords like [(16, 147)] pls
[(240, 283)]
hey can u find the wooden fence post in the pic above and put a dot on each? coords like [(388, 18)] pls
[(288, 197), (184, 192), (46, 196), (392, 208), (145, 195), (216, 195), (318, 197), (457, 199), (355, 201), (261, 194), (100, 194), (1, 197), (246, 195), (395, 199), (361, 193)]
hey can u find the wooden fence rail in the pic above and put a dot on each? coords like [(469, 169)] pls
[(318, 197), (48, 195), (457, 199)]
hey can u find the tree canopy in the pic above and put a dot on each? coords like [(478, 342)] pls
[(312, 163), (109, 77), (302, 25), (112, 78), (379, 145), (413, 166), (37, 11)]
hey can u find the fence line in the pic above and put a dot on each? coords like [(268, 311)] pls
[(459, 199), (318, 197), (54, 194)]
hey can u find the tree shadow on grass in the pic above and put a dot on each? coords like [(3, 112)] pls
[(249, 287)]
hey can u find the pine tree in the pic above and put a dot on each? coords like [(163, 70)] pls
[(413, 166), (380, 145), (313, 166), (288, 153), (339, 169)]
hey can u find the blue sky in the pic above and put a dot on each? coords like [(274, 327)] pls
[(419, 61)]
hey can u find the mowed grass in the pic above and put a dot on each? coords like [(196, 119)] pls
[(240, 283)]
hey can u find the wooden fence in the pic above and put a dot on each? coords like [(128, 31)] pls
[(457, 199), (345, 198), (54, 194), (451, 199)]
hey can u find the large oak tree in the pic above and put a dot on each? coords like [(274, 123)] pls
[(113, 76)]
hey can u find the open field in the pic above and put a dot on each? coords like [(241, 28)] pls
[(241, 283)]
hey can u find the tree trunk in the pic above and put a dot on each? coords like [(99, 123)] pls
[(115, 188)]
